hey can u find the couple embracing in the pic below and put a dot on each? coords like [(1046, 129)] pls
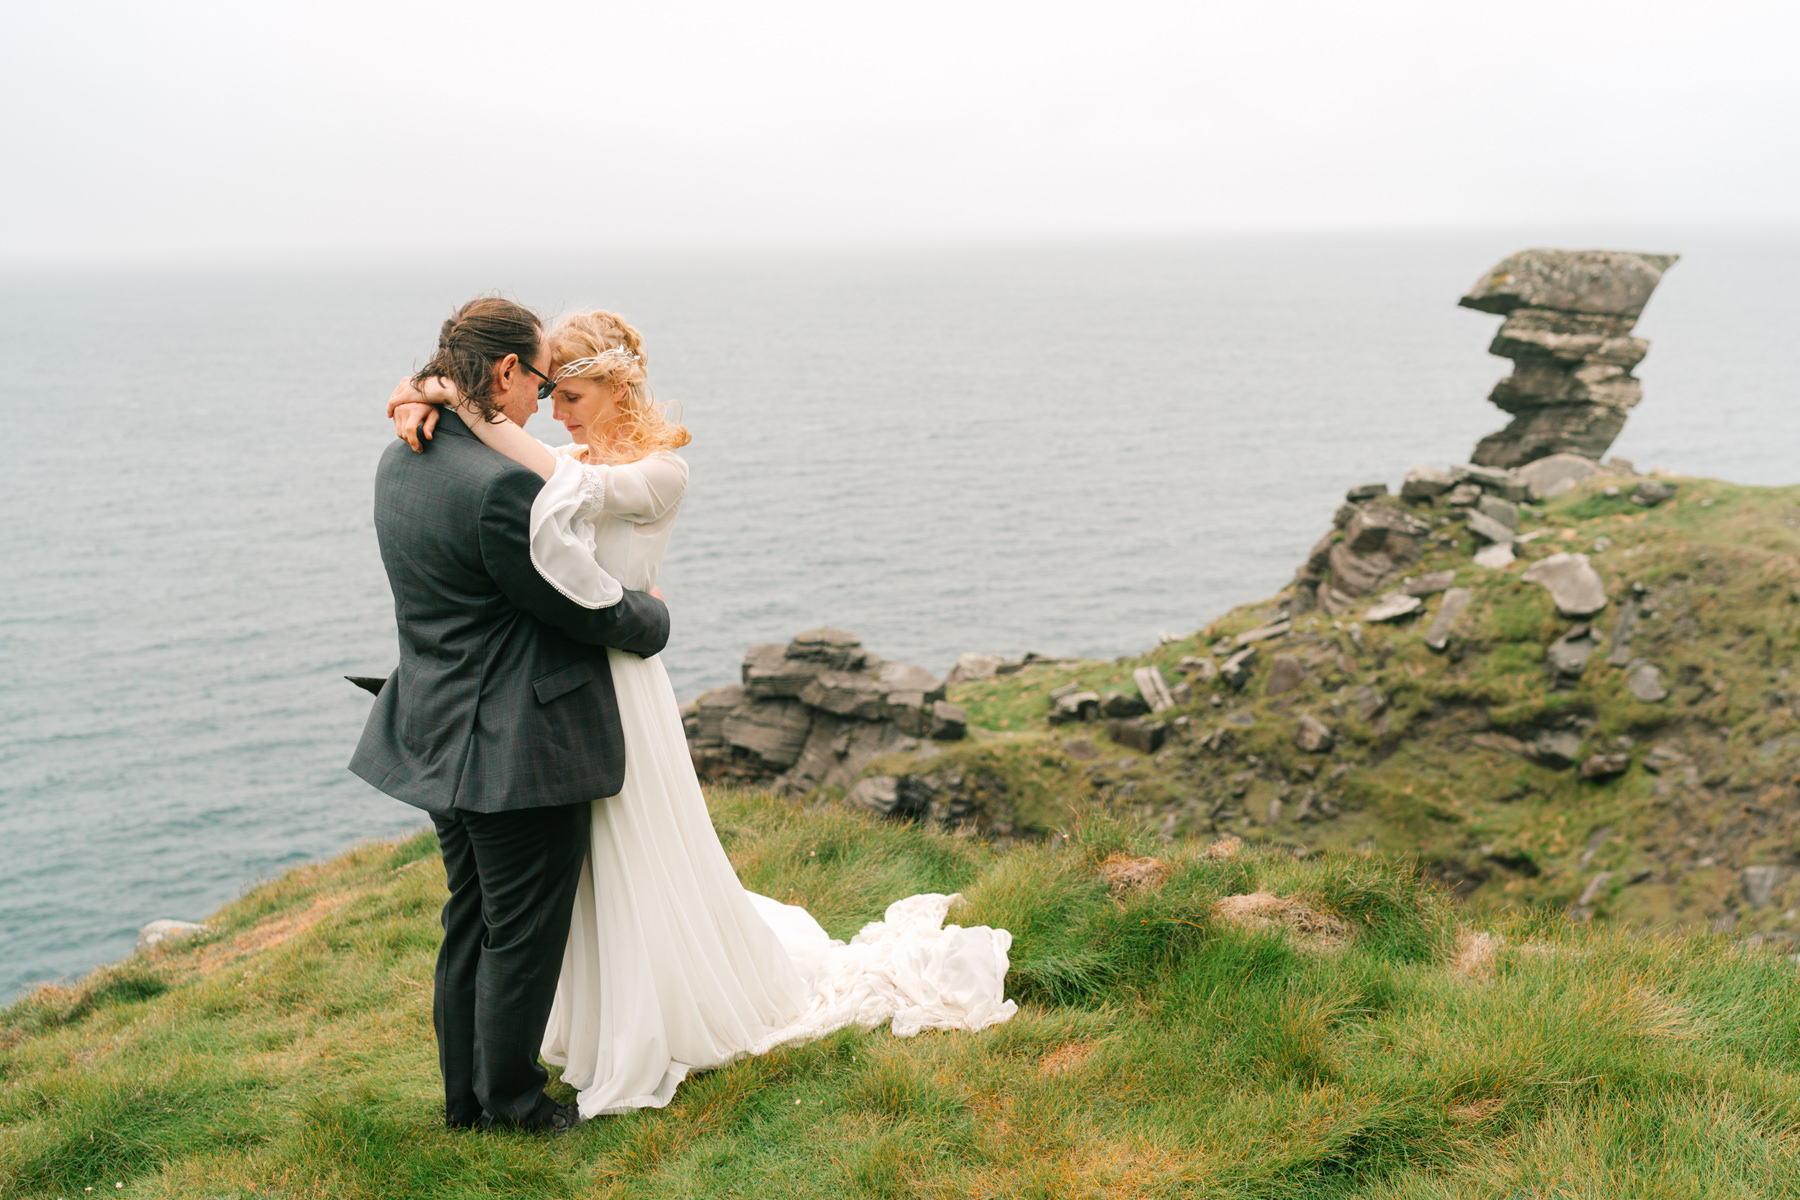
[(594, 920)]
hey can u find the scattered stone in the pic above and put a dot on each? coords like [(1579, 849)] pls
[(1153, 688), (1081, 749), (1574, 585), (158, 932), (1759, 884), (1620, 653), (1488, 529), (1496, 557), (1644, 681), (1503, 511), (1555, 748), (1263, 634), (1394, 606), (1661, 757), (1605, 766), (1611, 492), (1464, 495), (1569, 315), (1242, 720), (1235, 671), (1285, 674), (1199, 670), (1451, 607), (1139, 734), (876, 794), (1429, 585), (973, 666), (1426, 483), (1313, 735), (1369, 703), (1075, 706), (949, 722), (1583, 908), (1365, 491), (1557, 473), (1568, 654), (1650, 493), (1120, 705)]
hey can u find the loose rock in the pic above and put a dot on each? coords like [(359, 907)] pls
[(1313, 735), (1503, 511), (1235, 671), (1394, 606), (1119, 705), (158, 932), (1575, 586), (1429, 585), (1650, 493), (1455, 601), (949, 722), (1365, 491), (1076, 706), (1759, 884), (1488, 529), (973, 666), (1496, 557), (1644, 681), (1426, 483), (1557, 473), (1567, 656), (1285, 674), (1605, 766), (1153, 688), (1555, 748), (1141, 735)]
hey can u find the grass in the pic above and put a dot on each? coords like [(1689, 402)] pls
[(1438, 772), (1160, 1050)]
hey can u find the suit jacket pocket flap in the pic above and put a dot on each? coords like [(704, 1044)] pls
[(562, 682)]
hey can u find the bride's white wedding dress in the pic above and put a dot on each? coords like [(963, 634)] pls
[(672, 966)]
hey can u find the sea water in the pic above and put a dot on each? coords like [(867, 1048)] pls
[(1061, 449)]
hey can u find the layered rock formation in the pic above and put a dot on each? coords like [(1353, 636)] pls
[(814, 712), (1569, 315)]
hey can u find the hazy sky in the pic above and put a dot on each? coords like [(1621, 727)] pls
[(175, 127)]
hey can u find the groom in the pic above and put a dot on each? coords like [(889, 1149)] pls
[(500, 720)]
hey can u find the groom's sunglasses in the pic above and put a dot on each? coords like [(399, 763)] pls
[(544, 388)]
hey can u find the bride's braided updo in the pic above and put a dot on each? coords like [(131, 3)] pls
[(601, 346)]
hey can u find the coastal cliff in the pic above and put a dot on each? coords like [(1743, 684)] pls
[(1558, 683)]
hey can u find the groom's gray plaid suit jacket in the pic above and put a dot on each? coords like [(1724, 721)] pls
[(503, 699)]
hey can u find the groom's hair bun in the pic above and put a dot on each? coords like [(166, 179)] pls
[(478, 335)]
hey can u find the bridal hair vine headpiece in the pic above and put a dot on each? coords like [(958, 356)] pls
[(614, 356)]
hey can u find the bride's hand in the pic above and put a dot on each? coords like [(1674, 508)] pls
[(413, 408), (414, 421)]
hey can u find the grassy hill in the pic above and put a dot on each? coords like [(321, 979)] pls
[(1209, 1023), (1440, 754)]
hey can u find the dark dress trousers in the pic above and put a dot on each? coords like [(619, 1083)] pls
[(501, 722)]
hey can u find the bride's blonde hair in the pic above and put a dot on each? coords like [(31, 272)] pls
[(600, 345)]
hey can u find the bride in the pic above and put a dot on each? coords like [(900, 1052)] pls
[(671, 965)]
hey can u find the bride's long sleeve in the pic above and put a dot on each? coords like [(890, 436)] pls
[(642, 492), (562, 536)]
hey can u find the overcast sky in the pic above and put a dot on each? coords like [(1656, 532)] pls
[(181, 128)]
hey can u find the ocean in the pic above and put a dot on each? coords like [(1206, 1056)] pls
[(1066, 449)]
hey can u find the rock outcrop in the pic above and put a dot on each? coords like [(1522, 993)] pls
[(1569, 315), (814, 712)]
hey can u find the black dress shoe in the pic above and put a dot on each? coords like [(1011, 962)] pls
[(557, 1120)]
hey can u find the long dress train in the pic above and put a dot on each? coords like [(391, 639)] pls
[(671, 965)]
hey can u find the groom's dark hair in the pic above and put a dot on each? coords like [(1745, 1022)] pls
[(478, 335)]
